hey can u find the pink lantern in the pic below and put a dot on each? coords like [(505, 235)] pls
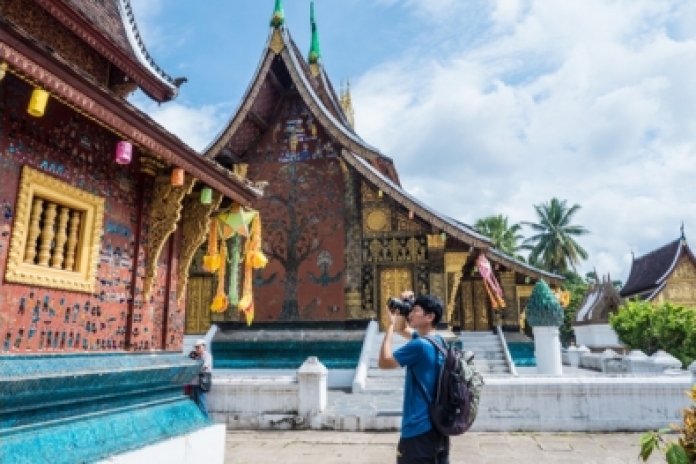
[(124, 152)]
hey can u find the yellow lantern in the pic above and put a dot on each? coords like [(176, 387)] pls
[(3, 70), (38, 102)]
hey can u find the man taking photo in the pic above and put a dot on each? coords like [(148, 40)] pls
[(419, 442)]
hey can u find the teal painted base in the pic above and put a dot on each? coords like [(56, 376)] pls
[(75, 408)]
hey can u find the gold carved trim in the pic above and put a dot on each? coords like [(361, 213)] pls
[(277, 44), (524, 291), (376, 220), (436, 241), (35, 184), (195, 223), (165, 212)]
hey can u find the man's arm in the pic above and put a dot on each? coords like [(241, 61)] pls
[(386, 356)]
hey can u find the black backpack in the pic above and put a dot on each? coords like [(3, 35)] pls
[(459, 388)]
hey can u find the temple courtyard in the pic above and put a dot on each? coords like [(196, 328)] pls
[(328, 447)]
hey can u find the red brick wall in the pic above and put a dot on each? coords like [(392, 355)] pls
[(76, 150)]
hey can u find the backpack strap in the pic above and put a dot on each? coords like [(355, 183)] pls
[(413, 374)]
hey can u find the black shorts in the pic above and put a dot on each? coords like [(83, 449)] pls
[(430, 447)]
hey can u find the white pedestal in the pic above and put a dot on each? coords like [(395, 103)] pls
[(547, 349)]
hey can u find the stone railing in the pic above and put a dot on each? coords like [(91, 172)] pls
[(364, 361), (270, 402)]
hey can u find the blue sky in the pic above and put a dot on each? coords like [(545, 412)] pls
[(487, 107)]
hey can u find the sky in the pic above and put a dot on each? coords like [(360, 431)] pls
[(486, 107)]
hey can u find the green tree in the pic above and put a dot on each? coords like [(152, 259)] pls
[(643, 326), (577, 287), (554, 246), (505, 237)]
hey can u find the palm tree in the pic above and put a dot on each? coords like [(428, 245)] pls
[(554, 246), (504, 237)]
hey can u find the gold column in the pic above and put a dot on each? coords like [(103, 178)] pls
[(436, 266), (72, 241), (454, 262), (511, 312), (47, 234), (34, 231), (61, 238)]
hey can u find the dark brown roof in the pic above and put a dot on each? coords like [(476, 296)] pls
[(650, 270), (109, 27)]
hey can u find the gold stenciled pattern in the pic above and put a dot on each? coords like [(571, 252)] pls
[(376, 220), (198, 296), (394, 249)]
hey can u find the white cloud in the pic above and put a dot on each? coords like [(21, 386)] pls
[(590, 101), (196, 126)]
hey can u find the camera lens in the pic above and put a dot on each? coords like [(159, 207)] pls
[(403, 306)]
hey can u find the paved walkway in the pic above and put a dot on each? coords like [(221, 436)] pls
[(317, 447)]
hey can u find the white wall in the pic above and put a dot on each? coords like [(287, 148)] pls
[(205, 446), (595, 335)]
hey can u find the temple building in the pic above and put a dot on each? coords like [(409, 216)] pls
[(591, 324), (102, 213), (665, 274), (341, 233)]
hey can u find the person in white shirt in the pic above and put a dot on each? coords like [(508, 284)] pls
[(198, 395)]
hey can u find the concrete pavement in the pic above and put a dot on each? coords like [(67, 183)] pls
[(329, 447)]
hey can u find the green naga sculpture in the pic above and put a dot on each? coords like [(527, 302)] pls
[(543, 308)]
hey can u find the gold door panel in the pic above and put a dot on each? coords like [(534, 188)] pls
[(392, 281), (199, 295)]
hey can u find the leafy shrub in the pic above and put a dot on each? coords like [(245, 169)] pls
[(647, 327), (683, 451)]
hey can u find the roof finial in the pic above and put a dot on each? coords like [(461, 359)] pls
[(278, 18), (682, 232), (314, 50), (347, 104)]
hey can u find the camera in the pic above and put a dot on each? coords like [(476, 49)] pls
[(404, 306), (193, 355)]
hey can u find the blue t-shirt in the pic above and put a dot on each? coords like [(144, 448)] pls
[(420, 356)]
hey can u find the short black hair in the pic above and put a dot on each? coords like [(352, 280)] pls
[(430, 304)]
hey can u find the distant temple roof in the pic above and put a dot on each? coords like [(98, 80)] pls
[(601, 300), (649, 273), (109, 26)]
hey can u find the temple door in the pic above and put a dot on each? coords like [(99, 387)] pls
[(393, 281), (475, 306), (199, 295)]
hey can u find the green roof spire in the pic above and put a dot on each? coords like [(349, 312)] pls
[(278, 18), (314, 50)]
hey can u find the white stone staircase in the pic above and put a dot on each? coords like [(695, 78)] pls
[(489, 356)]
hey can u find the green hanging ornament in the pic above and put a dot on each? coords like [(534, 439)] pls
[(543, 308), (235, 253)]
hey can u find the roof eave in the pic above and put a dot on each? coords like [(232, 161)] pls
[(153, 85)]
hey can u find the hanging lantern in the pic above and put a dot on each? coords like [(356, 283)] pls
[(3, 70), (443, 236), (177, 177), (38, 102), (124, 152), (206, 195), (379, 193), (410, 214)]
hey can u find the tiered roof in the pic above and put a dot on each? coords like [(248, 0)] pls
[(601, 300), (649, 273), (282, 69)]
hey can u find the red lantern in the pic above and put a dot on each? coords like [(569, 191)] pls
[(177, 177), (124, 152), (410, 214)]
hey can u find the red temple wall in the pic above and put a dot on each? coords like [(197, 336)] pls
[(72, 148), (303, 220)]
